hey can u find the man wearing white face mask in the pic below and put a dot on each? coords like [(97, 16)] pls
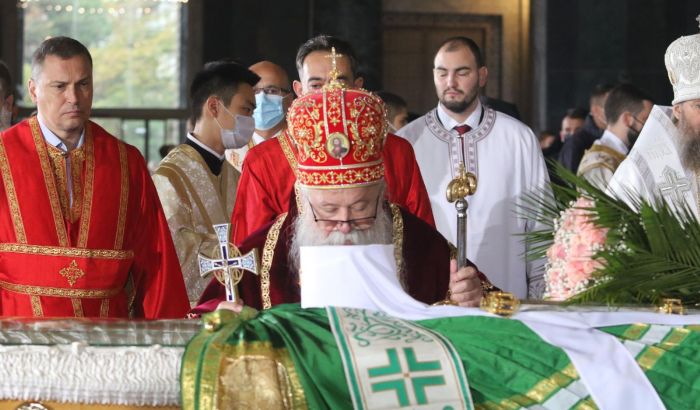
[(273, 97), (7, 98), (196, 185)]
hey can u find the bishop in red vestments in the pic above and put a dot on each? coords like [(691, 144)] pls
[(82, 232), (270, 169), (341, 202)]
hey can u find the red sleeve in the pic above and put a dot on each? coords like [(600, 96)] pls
[(403, 179), (158, 281), (264, 189)]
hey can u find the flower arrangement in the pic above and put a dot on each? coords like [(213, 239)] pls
[(603, 249), (571, 258)]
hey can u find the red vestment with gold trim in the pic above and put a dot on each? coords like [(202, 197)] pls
[(106, 253)]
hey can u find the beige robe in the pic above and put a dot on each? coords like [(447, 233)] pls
[(194, 199), (600, 161)]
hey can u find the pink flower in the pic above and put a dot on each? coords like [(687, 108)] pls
[(571, 264)]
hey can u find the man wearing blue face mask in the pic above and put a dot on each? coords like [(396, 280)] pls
[(195, 183), (273, 97)]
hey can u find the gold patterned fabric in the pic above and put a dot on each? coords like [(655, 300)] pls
[(339, 135), (194, 199)]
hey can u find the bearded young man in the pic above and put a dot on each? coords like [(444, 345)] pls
[(665, 161), (501, 151), (343, 203)]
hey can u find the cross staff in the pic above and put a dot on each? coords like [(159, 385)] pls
[(232, 267)]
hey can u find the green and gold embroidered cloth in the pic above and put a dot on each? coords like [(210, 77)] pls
[(288, 357)]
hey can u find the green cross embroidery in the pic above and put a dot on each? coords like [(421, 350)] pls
[(399, 385)]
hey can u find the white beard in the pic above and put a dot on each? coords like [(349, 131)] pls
[(307, 233)]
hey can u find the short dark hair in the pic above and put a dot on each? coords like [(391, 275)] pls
[(599, 92), (624, 97), (455, 43), (63, 47), (393, 103), (324, 42), (576, 113), (220, 78), (6, 88)]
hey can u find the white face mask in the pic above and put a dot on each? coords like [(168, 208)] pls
[(5, 118), (242, 131)]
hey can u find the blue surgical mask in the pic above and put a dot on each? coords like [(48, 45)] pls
[(268, 110), (241, 133)]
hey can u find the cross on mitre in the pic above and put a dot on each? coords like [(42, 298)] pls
[(231, 267), (334, 67)]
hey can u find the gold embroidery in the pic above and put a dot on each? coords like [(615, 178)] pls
[(356, 114), (104, 308), (346, 177), (635, 331), (58, 166), (538, 393), (123, 196), (287, 150), (397, 235), (37, 311), (86, 212), (167, 168), (58, 292), (651, 355), (586, 404), (600, 156), (77, 307), (267, 256), (11, 195), (258, 375), (49, 182), (72, 272), (297, 196), (77, 158), (69, 252)]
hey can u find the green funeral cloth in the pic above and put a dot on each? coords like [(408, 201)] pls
[(508, 366)]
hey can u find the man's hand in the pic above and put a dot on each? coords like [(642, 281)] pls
[(465, 285), (234, 306)]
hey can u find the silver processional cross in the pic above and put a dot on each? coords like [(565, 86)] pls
[(232, 267)]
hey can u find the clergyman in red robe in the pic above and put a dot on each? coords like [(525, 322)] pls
[(82, 232)]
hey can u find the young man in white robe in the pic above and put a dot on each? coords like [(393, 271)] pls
[(665, 161), (501, 151)]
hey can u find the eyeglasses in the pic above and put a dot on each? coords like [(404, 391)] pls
[(356, 223), (272, 90)]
